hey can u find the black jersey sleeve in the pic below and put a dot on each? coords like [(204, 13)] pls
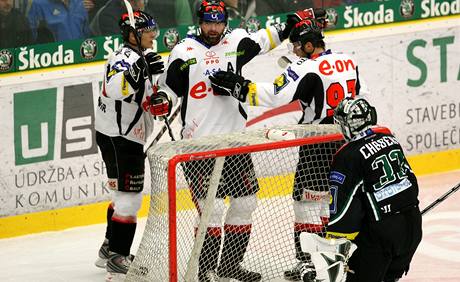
[(177, 77), (249, 49), (346, 207), (311, 90)]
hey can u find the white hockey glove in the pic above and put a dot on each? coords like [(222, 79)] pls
[(226, 83)]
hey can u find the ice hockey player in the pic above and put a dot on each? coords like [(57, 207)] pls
[(203, 113), (123, 121), (320, 79), (374, 197)]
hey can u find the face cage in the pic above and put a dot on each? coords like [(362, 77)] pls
[(151, 26), (344, 127)]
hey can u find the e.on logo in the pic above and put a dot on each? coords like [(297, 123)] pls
[(326, 68), (35, 132), (200, 90)]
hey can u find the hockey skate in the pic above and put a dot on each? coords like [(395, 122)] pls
[(103, 254), (208, 276), (240, 274), (117, 267), (294, 274)]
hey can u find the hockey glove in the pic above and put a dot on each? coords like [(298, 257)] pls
[(137, 74), (227, 83), (292, 19), (160, 104), (156, 65)]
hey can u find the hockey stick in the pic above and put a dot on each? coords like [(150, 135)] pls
[(160, 133), (129, 8), (440, 199), (249, 11)]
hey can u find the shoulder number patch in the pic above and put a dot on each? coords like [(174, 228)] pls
[(336, 176)]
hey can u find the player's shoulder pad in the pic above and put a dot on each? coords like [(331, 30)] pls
[(123, 54), (183, 50), (302, 65), (237, 33)]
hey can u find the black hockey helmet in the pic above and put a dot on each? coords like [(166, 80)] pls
[(353, 116), (307, 30), (143, 22), (212, 11)]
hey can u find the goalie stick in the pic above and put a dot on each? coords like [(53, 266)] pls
[(132, 22), (440, 199)]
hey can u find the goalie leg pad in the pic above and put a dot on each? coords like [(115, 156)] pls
[(126, 203), (307, 212), (240, 210), (311, 243), (327, 267)]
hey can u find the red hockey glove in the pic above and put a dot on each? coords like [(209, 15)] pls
[(292, 19), (160, 104)]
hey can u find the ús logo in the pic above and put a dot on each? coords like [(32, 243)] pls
[(36, 113)]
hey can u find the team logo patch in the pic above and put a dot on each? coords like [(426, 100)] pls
[(170, 38), (6, 60), (252, 25), (280, 82), (406, 8), (336, 176), (333, 201), (88, 49), (292, 74), (112, 183), (211, 58), (187, 64), (332, 17)]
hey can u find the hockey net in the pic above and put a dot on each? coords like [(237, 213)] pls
[(174, 235)]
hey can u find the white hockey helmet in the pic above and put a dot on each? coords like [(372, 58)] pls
[(354, 116)]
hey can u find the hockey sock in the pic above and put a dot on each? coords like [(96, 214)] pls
[(108, 229), (304, 227), (122, 236), (235, 243), (210, 252)]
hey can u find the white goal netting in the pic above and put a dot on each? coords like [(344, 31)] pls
[(191, 177)]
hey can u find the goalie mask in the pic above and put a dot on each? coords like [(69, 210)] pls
[(143, 22), (354, 116)]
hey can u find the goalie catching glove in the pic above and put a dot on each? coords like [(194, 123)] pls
[(137, 73), (227, 83)]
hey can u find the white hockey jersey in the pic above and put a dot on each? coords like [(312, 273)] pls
[(320, 83), (190, 64), (119, 111)]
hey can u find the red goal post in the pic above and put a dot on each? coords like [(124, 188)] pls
[(173, 237)]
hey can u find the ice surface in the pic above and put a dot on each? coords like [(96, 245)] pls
[(69, 255)]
